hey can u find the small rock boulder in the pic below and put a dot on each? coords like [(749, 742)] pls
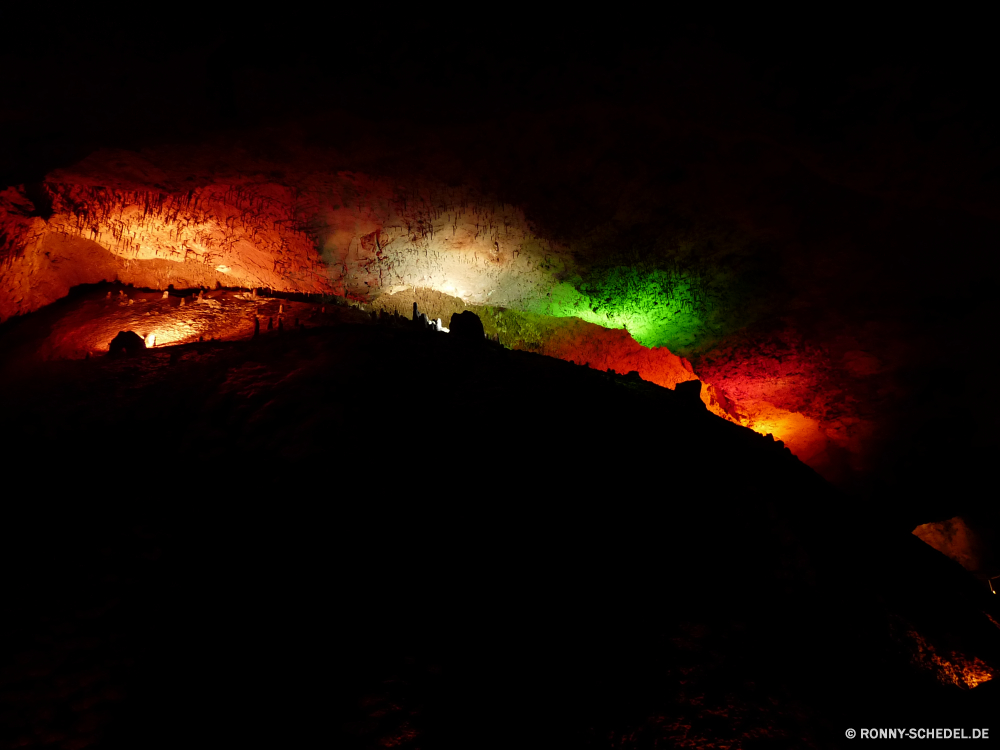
[(467, 325), (691, 391), (126, 343)]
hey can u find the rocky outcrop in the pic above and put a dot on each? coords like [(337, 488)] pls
[(126, 343), (467, 325), (963, 544)]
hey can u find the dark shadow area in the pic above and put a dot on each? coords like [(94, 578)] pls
[(372, 535), (367, 536), (21, 334)]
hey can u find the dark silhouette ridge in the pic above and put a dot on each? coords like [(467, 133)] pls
[(520, 562)]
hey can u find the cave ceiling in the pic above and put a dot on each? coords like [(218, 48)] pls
[(806, 224)]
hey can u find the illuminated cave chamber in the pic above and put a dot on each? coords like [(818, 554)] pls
[(963, 543), (802, 240), (456, 493), (337, 264), (119, 216)]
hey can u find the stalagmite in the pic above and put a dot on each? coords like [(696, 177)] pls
[(165, 294)]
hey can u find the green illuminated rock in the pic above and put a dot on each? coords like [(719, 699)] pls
[(657, 307)]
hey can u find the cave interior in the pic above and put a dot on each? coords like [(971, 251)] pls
[(495, 383)]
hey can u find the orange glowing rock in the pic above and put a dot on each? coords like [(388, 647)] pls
[(614, 349), (118, 215), (955, 669)]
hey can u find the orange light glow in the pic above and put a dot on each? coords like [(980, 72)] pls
[(957, 669), (803, 436), (166, 335)]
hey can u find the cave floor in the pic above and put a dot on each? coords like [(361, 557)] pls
[(372, 536)]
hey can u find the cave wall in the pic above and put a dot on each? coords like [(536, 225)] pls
[(342, 233), (608, 294), (121, 216)]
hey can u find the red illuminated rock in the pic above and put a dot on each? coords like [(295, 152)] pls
[(117, 215), (197, 219), (954, 538)]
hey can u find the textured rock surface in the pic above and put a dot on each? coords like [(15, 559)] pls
[(954, 537), (344, 234), (196, 217), (768, 185), (117, 215)]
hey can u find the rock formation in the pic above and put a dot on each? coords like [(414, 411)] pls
[(126, 343), (467, 326)]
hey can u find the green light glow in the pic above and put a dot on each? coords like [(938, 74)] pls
[(657, 307)]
